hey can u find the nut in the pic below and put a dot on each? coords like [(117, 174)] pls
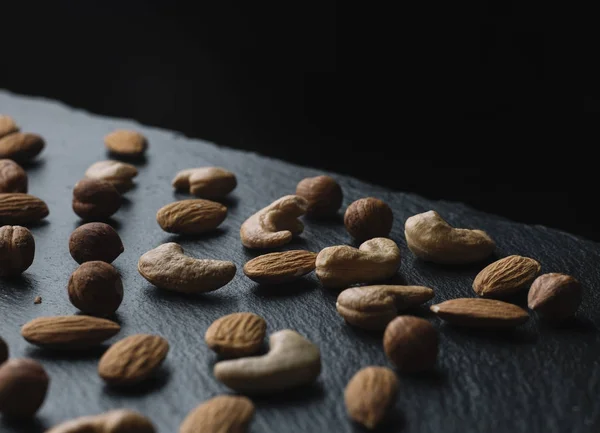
[(95, 241), (292, 361), (3, 351), (132, 359), (167, 267), (23, 387), (370, 394), (277, 268), (191, 217), (206, 182), (236, 335), (7, 125), (368, 218), (115, 421), (37, 300), (432, 239), (555, 296), (95, 199), (21, 147), (274, 225), (17, 249), (323, 194), (69, 332), (480, 313), (341, 266), (506, 276), (373, 307), (119, 174), (95, 288), (23, 209), (126, 143), (411, 343), (12, 177), (222, 414)]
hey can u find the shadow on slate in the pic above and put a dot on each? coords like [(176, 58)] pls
[(535, 379)]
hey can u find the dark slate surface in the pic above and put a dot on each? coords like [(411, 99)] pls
[(536, 379)]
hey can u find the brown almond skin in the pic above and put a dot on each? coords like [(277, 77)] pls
[(506, 276), (12, 177), (95, 199), (95, 241), (191, 217), (126, 143), (411, 344), (7, 125), (480, 313), (96, 288), (23, 387), (69, 332), (236, 335), (554, 296), (368, 218), (370, 394), (282, 267), (114, 421), (17, 250), (21, 147), (21, 209), (3, 351), (222, 414), (323, 194), (133, 359)]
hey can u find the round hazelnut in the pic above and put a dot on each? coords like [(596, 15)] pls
[(411, 343), (23, 387), (555, 296), (96, 288), (95, 241), (368, 218), (126, 143), (12, 177), (3, 351), (95, 199), (17, 249), (324, 196)]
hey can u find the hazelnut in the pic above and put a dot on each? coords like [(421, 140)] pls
[(126, 143), (411, 343), (95, 288), (555, 296), (17, 249), (7, 125), (323, 193), (12, 177), (95, 199), (21, 147), (3, 351), (368, 218), (95, 241), (23, 387)]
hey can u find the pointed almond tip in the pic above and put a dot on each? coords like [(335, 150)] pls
[(435, 308)]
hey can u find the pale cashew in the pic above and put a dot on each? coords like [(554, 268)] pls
[(120, 174), (431, 238), (206, 182), (292, 361), (115, 421), (167, 267), (375, 260), (274, 225)]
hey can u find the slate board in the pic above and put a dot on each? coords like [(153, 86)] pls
[(535, 379)]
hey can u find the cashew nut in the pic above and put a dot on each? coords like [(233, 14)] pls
[(115, 421), (431, 238), (206, 182), (375, 260), (292, 361), (276, 224), (167, 267)]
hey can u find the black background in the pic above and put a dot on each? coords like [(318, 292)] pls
[(490, 103)]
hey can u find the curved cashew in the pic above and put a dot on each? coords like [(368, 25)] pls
[(120, 174), (431, 238), (292, 361), (115, 421), (276, 224), (375, 260), (206, 182), (167, 267)]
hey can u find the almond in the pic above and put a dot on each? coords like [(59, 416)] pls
[(480, 313), (506, 276), (21, 209), (21, 147), (193, 216), (370, 394), (555, 296), (237, 334), (133, 359), (12, 177), (126, 143), (69, 332), (7, 125), (276, 268), (222, 414)]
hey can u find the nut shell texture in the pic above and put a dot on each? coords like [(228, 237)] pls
[(21, 209), (17, 250), (506, 276), (277, 268)]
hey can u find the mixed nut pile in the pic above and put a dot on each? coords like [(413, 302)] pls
[(365, 300)]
